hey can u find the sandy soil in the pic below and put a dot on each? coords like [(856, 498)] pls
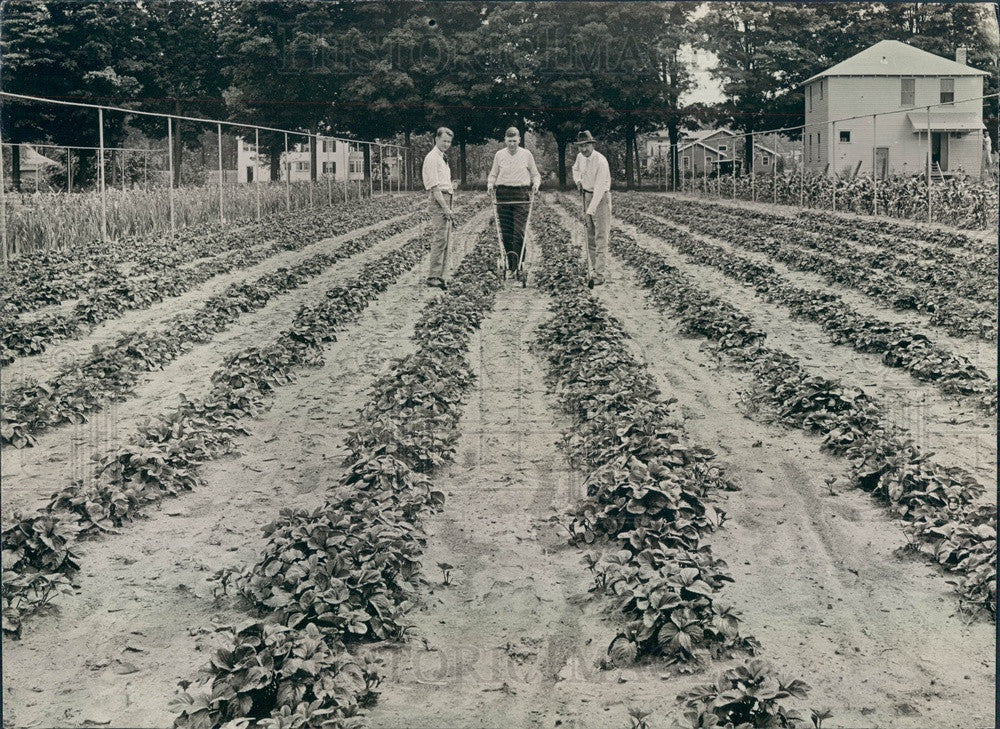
[(981, 354), (821, 577), (514, 639), (143, 616), (44, 366), (956, 431)]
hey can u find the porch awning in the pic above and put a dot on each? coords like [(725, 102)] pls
[(946, 121)]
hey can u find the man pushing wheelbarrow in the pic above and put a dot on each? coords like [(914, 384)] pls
[(512, 182)]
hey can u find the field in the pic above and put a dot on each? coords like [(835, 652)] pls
[(261, 475)]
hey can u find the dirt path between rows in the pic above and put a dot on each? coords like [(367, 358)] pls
[(957, 432), (982, 354), (143, 617), (515, 638), (44, 366), (820, 578)]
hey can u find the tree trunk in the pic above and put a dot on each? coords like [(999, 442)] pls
[(629, 173), (638, 161), (313, 156), (15, 166), (561, 143), (408, 175), (461, 162), (178, 150), (748, 152), (367, 150), (274, 150), (674, 162)]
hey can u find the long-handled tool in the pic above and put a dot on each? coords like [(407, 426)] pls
[(522, 264), (501, 254), (586, 248)]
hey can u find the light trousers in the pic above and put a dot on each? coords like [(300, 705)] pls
[(598, 231), (439, 237)]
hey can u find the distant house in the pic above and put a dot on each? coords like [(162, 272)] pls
[(331, 159), (891, 76), (36, 166), (715, 151)]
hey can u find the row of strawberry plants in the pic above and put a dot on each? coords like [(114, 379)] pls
[(163, 460), (936, 503), (973, 277), (349, 571), (47, 277), (31, 336), (112, 370), (898, 344), (957, 316), (647, 482), (982, 264), (937, 236)]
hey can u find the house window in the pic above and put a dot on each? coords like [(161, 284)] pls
[(821, 89), (723, 147), (329, 168), (810, 97), (765, 160), (907, 91), (686, 162), (301, 166), (947, 91), (845, 136), (809, 154)]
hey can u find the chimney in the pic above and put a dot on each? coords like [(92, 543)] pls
[(960, 55)]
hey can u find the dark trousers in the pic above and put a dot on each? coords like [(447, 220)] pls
[(512, 220)]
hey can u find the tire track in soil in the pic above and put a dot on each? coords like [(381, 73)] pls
[(982, 354), (957, 432), (818, 577), (44, 366), (62, 454), (149, 587), (514, 640)]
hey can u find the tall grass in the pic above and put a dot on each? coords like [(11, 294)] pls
[(961, 202), (48, 220)]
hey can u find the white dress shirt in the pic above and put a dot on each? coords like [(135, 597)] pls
[(436, 172), (515, 170), (595, 175)]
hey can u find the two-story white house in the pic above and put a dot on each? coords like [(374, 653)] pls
[(332, 160), (891, 76)]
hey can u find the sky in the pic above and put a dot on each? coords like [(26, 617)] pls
[(706, 89)]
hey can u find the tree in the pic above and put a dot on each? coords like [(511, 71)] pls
[(91, 51)]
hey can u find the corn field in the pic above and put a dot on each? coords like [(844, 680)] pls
[(961, 202), (42, 221)]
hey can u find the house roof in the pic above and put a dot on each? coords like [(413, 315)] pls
[(31, 159), (894, 58), (946, 121)]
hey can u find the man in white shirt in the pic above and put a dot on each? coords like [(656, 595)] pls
[(512, 176), (437, 180), (593, 177)]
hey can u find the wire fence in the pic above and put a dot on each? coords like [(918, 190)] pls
[(938, 167), (120, 191)]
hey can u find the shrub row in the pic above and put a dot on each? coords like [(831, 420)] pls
[(20, 337), (349, 571), (898, 344), (936, 503), (163, 460), (112, 370), (646, 485), (957, 316)]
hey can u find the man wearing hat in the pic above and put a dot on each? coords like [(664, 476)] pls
[(512, 176), (593, 178), (437, 180)]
